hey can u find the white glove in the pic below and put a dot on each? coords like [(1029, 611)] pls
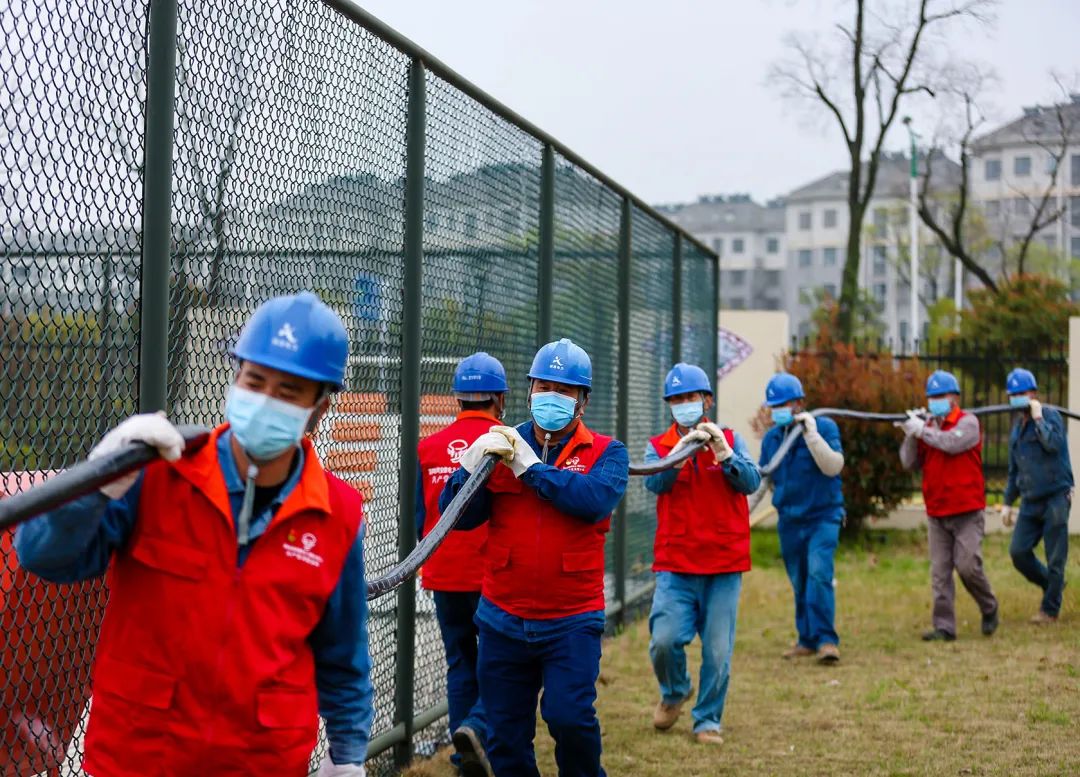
[(808, 421), (691, 437), (1005, 512), (913, 426), (150, 428), (489, 442), (524, 456), (719, 443), (330, 769), (1036, 409)]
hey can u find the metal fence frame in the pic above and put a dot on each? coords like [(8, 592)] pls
[(155, 266)]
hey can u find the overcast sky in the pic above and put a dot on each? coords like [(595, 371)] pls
[(670, 98)]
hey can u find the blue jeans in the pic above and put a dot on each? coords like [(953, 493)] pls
[(685, 605), (512, 672), (808, 547), (455, 611), (1046, 520)]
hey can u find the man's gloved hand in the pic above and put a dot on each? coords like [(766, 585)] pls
[(150, 428), (489, 442), (719, 442), (913, 426), (690, 438), (1036, 409), (524, 456), (330, 769), (808, 422), (1006, 513)]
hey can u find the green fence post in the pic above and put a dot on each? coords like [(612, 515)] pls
[(676, 300), (547, 244), (415, 129), (157, 206), (622, 410), (714, 357)]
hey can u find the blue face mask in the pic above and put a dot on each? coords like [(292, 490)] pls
[(265, 427), (782, 416), (939, 407), (1020, 402), (552, 411), (688, 413)]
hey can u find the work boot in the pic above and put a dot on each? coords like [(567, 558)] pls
[(709, 738), (1042, 618), (828, 653), (797, 651), (990, 622), (665, 715), (938, 635), (474, 762)]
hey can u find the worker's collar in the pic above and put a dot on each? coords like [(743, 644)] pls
[(672, 436), (462, 415)]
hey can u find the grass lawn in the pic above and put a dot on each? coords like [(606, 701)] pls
[(1005, 705)]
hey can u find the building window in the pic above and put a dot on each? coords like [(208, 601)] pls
[(1074, 211), (772, 245), (992, 169), (806, 257), (879, 292), (1074, 247), (804, 330), (804, 220), (1051, 164), (772, 278), (828, 256), (770, 304), (903, 331), (737, 303), (1022, 207), (830, 218), (1050, 241), (1074, 171), (992, 208), (738, 245), (881, 220), (718, 245), (20, 273), (738, 277), (830, 290), (880, 259), (1022, 166)]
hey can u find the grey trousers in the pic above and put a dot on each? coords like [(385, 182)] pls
[(956, 543)]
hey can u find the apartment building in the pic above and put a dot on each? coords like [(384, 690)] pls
[(749, 237)]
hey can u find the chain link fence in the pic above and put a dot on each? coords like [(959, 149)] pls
[(304, 145)]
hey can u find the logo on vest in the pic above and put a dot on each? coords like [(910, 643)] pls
[(556, 364), (303, 552), (574, 464), (456, 449), (286, 338)]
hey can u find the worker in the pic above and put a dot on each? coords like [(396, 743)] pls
[(237, 608), (541, 610), (1040, 475), (809, 502), (948, 450), (701, 549), (456, 570)]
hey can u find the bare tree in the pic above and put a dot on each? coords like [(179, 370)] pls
[(880, 62), (961, 229)]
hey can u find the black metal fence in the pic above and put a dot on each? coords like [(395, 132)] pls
[(981, 371), (168, 166)]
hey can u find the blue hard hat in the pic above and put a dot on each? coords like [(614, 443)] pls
[(480, 373), (686, 378), (562, 362), (1019, 381), (940, 383), (782, 388), (297, 334)]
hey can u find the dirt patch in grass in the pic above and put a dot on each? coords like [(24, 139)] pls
[(1005, 705)]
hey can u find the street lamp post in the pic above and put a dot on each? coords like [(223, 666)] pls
[(913, 221)]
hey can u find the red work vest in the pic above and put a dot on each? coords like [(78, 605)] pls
[(542, 563), (702, 523), (952, 485), (458, 564), (204, 667)]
